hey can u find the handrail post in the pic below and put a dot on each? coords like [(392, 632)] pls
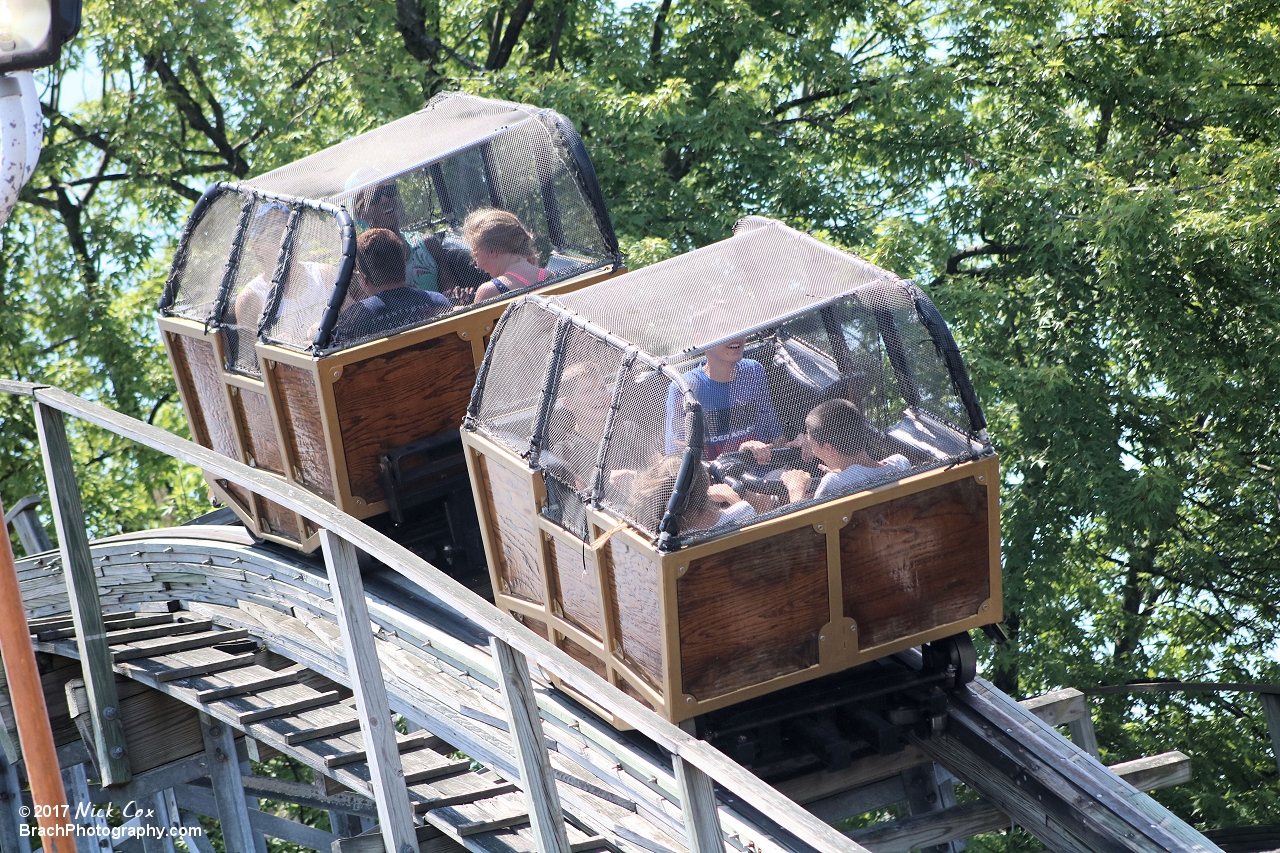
[(539, 785), (365, 673), (82, 594), (698, 804)]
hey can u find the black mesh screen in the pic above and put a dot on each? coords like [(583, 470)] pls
[(834, 396), (270, 271)]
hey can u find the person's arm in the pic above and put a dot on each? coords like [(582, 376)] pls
[(675, 419), (797, 483), (488, 290)]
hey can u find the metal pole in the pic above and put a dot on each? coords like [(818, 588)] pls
[(34, 730)]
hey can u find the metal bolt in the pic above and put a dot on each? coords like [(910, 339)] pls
[(464, 335), (984, 607), (845, 519), (982, 479), (215, 730), (406, 848), (822, 637), (681, 570), (821, 527), (109, 712), (853, 627), (688, 698), (117, 752)]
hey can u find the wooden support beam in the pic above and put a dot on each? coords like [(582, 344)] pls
[(364, 671), (82, 593), (828, 783), (926, 796), (1067, 707), (193, 799), (228, 790), (26, 523), (1271, 707), (93, 836), (525, 724), (962, 821), (10, 804), (698, 804)]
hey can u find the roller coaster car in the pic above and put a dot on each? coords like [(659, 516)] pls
[(362, 407), (598, 476)]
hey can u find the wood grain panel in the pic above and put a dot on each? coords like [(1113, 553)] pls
[(916, 562), (537, 626), (582, 655), (276, 519), (510, 499), (637, 608), (753, 612), (577, 586), (626, 688), (182, 369), (303, 431), (259, 430), (395, 399), (206, 376)]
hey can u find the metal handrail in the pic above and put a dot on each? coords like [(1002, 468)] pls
[(689, 750)]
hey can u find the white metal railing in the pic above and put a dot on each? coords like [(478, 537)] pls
[(698, 766)]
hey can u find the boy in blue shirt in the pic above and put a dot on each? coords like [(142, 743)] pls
[(736, 406)]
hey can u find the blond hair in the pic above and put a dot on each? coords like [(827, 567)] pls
[(653, 487), (498, 231)]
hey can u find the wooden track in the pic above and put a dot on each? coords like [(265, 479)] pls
[(288, 695)]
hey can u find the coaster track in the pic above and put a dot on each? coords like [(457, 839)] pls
[(251, 639)]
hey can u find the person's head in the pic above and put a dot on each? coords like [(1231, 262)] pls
[(493, 234), (581, 387), (380, 207), (653, 486), (380, 257), (266, 231), (839, 426), (728, 353)]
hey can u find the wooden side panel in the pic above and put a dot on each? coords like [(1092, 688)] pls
[(583, 656), (277, 520), (303, 431), (537, 626), (752, 613), (395, 399), (510, 511), (577, 586), (253, 411), (916, 562), (187, 387), (626, 688), (633, 596), (206, 377)]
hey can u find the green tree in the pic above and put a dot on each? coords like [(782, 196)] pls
[(1087, 189)]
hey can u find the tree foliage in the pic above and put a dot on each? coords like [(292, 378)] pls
[(1088, 188)]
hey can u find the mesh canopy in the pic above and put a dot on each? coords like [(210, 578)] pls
[(756, 376), (418, 179)]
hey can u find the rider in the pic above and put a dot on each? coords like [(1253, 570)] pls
[(736, 406)]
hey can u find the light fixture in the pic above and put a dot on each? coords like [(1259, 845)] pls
[(32, 32)]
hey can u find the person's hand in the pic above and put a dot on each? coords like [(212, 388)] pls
[(806, 446), (759, 450), (723, 494), (797, 483)]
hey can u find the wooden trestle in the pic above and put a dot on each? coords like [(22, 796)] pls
[(246, 638), (217, 650)]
